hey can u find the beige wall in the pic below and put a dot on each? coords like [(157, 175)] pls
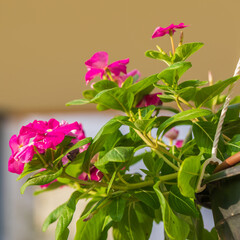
[(44, 43)]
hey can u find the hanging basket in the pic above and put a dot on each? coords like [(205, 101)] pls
[(222, 195)]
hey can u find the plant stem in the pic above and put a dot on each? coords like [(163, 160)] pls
[(165, 159), (172, 44), (121, 179), (168, 177), (178, 104), (186, 103), (41, 157)]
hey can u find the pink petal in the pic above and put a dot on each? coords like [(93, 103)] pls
[(172, 134), (83, 176), (93, 73), (15, 166), (150, 99), (179, 143), (181, 25), (96, 174), (25, 154), (98, 60), (159, 31), (53, 123), (119, 66), (14, 144), (28, 131)]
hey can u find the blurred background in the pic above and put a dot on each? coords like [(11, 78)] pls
[(43, 47)]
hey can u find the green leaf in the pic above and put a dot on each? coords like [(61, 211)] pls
[(116, 209), (146, 112), (182, 204), (192, 83), (97, 144), (78, 102), (173, 226), (89, 94), (92, 228), (231, 128), (159, 55), (115, 98), (65, 234), (111, 180), (117, 154), (64, 214), (172, 74), (233, 146), (167, 98), (53, 216), (149, 161), (143, 84), (207, 93), (52, 186), (144, 124), (204, 133), (232, 113), (147, 197), (235, 100), (183, 116), (106, 227), (128, 82), (41, 179), (104, 85), (30, 167), (187, 93), (75, 146), (184, 51), (188, 176), (135, 224)]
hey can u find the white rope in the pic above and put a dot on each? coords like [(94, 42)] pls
[(223, 114), (214, 158)]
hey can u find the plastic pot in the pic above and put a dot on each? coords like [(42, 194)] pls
[(222, 195)]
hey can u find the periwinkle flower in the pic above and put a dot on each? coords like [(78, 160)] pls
[(22, 152), (172, 134), (160, 31), (97, 65), (179, 143), (150, 99)]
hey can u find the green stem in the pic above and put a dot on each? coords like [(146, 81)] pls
[(178, 104), (118, 187), (168, 177), (185, 102), (41, 157), (109, 75), (165, 159), (172, 44)]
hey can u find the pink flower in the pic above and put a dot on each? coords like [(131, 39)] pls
[(96, 175), (172, 134), (150, 99), (121, 78), (50, 134), (98, 64), (179, 143), (159, 31), (22, 152)]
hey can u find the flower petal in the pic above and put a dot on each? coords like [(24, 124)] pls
[(93, 73), (15, 166), (98, 60), (119, 66)]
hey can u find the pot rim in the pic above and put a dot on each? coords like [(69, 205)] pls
[(227, 173)]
